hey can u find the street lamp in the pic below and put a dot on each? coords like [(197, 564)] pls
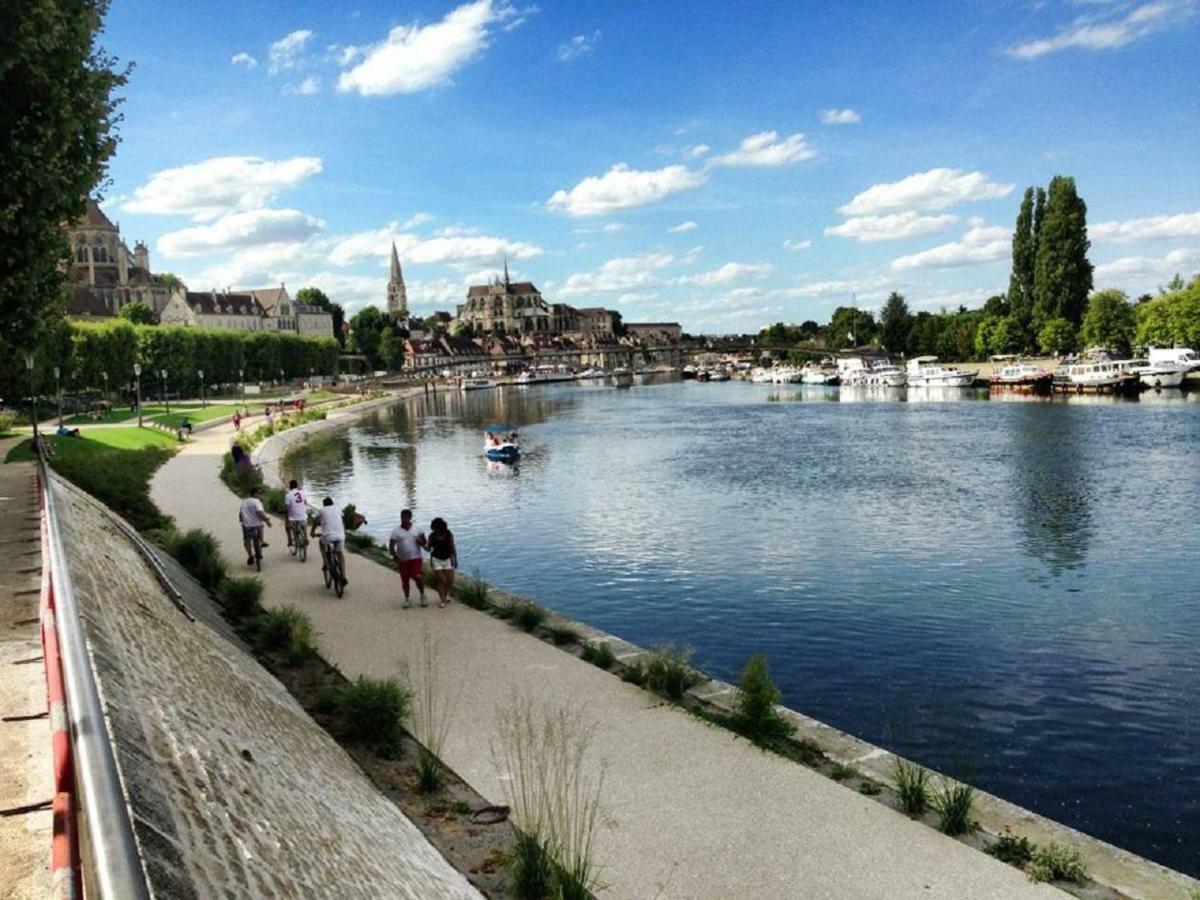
[(104, 375), (242, 385), (166, 396), (137, 399), (200, 372), (58, 392), (32, 400)]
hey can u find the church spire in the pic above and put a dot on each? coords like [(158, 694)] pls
[(396, 274), (506, 281), (397, 295)]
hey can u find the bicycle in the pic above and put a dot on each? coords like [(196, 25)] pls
[(331, 570), (299, 540)]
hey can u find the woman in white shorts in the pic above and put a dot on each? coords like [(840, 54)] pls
[(443, 557)]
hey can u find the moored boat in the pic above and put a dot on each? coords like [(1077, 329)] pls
[(1162, 374), (476, 384), (1022, 378), (819, 373), (923, 372), (544, 375), (500, 443)]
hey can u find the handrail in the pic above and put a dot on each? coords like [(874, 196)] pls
[(118, 872)]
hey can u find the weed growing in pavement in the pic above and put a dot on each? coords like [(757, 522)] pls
[(288, 631), (953, 803), (460, 807), (1055, 862), (372, 711), (532, 868), (841, 772), (869, 789), (911, 784), (599, 654), (755, 714), (527, 615), (668, 671), (240, 596), (1016, 851)]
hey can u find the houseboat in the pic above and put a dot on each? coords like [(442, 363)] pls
[(923, 371), (1021, 378)]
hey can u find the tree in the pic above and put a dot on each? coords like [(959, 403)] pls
[(983, 335), (1062, 272), (997, 305), (894, 323), (59, 115), (1057, 336), (138, 314), (849, 325), (1024, 253), (1109, 321), (391, 348), (171, 280), (316, 297), (618, 324), (1170, 320), (365, 328)]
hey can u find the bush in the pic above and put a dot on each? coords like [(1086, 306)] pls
[(528, 615), (241, 596), (562, 635), (240, 479), (841, 772), (273, 501), (473, 593), (371, 711), (1057, 863), (757, 696), (669, 672), (599, 654), (1016, 851), (6, 421), (197, 552), (911, 784), (289, 631), (953, 804)]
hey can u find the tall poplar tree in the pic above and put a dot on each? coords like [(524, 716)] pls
[(1024, 252), (1062, 273)]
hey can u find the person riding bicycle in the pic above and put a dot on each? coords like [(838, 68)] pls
[(252, 517), (333, 532), (297, 511)]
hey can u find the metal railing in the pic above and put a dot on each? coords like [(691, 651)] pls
[(89, 776)]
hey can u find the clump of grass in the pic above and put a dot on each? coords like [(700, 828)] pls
[(634, 674), (599, 654), (841, 772), (273, 501), (473, 592), (953, 802), (197, 552), (290, 632), (911, 784), (432, 714), (371, 711), (1011, 849), (240, 596), (807, 751), (869, 789), (532, 868), (563, 635), (1054, 862), (528, 615), (460, 807), (669, 672), (755, 714), (430, 774)]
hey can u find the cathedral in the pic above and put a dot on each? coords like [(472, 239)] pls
[(105, 276)]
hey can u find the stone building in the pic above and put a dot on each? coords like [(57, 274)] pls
[(595, 321), (505, 306), (237, 310), (671, 330), (288, 315), (104, 275), (397, 294)]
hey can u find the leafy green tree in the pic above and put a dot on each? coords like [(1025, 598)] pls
[(317, 297), (366, 326), (983, 335), (1109, 321), (391, 348), (1062, 272), (1024, 252), (171, 280), (59, 131), (1170, 320), (138, 313), (997, 305), (1057, 336), (894, 323), (1008, 336), (849, 326)]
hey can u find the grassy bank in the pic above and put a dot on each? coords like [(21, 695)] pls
[(195, 415)]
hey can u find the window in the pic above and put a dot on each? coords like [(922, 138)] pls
[(100, 254), (81, 253)]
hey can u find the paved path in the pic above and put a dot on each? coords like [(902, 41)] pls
[(693, 812), (26, 775)]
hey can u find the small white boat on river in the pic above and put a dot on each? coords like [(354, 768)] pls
[(476, 384), (544, 375), (1162, 374), (500, 443), (923, 372)]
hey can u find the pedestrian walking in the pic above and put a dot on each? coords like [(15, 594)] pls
[(405, 544), (443, 557), (237, 421)]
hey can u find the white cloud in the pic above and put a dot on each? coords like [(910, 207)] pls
[(1130, 269), (731, 271), (840, 117), (245, 60), (352, 291), (223, 184), (796, 245), (310, 85), (981, 244), (416, 57), (1110, 30), (696, 150), (619, 275), (577, 46), (417, 219), (1181, 225), (893, 227), (833, 288), (624, 188), (935, 189), (285, 53), (450, 250), (239, 230), (682, 227), (766, 149)]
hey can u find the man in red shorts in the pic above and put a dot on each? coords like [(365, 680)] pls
[(405, 545)]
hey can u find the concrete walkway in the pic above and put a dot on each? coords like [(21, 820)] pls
[(692, 811)]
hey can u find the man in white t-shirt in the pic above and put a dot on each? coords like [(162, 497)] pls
[(297, 509), (405, 544), (252, 517), (333, 532)]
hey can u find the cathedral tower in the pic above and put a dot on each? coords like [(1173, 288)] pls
[(397, 296)]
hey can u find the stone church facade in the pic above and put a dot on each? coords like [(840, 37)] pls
[(104, 275)]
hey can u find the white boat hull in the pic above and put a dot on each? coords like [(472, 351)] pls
[(1162, 379), (963, 379)]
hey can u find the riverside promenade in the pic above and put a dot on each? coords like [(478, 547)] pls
[(690, 811)]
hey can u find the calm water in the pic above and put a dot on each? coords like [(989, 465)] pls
[(1006, 591)]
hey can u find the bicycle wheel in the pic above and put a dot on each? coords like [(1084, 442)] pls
[(325, 567), (339, 583), (258, 554), (303, 546), (294, 540)]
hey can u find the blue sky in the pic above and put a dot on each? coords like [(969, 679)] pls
[(723, 165)]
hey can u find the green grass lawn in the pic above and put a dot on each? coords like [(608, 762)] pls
[(195, 415), (119, 414)]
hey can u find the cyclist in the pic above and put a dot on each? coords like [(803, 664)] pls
[(333, 532), (297, 511), (252, 517)]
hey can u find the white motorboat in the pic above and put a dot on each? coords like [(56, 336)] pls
[(720, 373), (590, 373), (923, 371), (1161, 374), (785, 375), (822, 373), (1102, 377), (545, 375), (500, 443), (476, 384), (762, 376), (852, 370)]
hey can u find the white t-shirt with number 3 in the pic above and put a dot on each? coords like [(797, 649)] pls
[(297, 508)]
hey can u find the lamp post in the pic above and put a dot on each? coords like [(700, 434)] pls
[(32, 399), (137, 398), (242, 385), (201, 374), (58, 392), (104, 376), (166, 396)]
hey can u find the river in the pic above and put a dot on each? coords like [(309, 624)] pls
[(1005, 591)]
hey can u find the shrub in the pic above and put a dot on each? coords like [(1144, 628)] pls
[(288, 631), (1016, 851), (911, 783), (1055, 862), (599, 654), (6, 421), (562, 635), (371, 711), (473, 593), (668, 671), (273, 501), (527, 615), (634, 674), (841, 772), (433, 705), (869, 789), (953, 804), (197, 552), (241, 596), (240, 478), (755, 715)]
